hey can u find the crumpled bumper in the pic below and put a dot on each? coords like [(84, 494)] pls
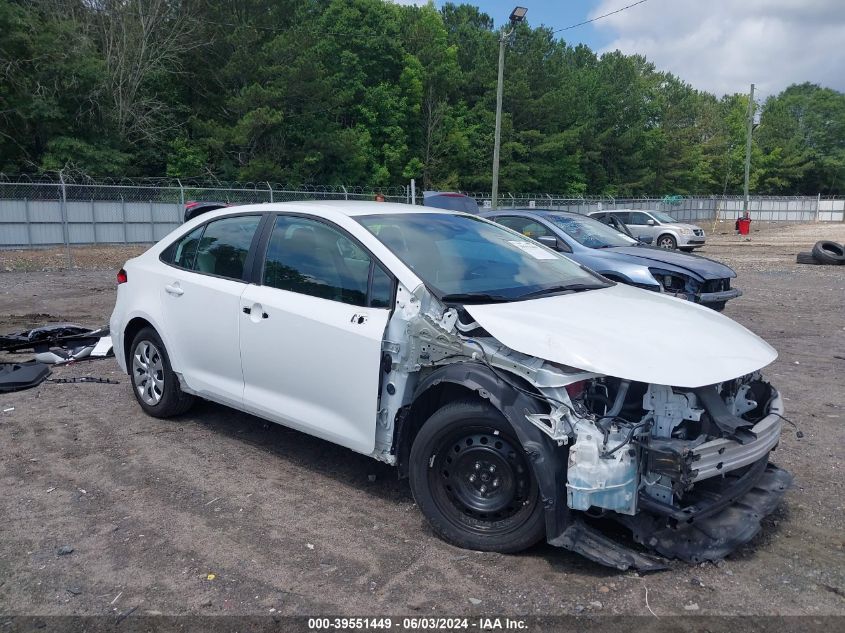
[(719, 297), (730, 517), (712, 536)]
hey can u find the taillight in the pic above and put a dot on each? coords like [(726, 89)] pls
[(191, 204), (121, 277), (576, 389)]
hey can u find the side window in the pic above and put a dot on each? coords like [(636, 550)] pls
[(224, 246), (381, 289), (639, 218), (312, 258), (182, 253), (623, 215), (526, 226)]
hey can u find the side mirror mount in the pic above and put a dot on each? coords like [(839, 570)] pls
[(650, 222), (550, 241)]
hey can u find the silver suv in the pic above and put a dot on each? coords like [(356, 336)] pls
[(665, 231)]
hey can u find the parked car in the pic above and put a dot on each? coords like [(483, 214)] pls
[(450, 200), (520, 392), (622, 258), (665, 230), (195, 209), (614, 221)]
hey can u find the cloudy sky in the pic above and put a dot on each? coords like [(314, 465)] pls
[(716, 45)]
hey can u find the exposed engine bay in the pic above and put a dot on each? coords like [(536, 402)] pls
[(685, 470)]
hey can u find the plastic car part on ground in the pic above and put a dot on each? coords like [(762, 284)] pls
[(77, 379), (824, 252), (20, 376), (60, 343)]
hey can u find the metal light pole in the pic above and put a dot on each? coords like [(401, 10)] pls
[(517, 15), (748, 145)]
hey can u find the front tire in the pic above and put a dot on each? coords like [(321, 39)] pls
[(471, 479), (667, 241), (154, 384)]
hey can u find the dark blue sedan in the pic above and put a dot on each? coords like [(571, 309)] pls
[(622, 258)]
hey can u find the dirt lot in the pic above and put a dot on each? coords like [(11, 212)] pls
[(219, 512)]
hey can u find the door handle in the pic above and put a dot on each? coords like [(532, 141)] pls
[(174, 290), (358, 319), (248, 310)]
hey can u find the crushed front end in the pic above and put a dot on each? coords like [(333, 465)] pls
[(685, 470)]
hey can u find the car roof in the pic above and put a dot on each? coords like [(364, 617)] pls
[(622, 210), (351, 208), (540, 212)]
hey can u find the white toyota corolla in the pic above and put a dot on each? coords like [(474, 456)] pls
[(518, 391)]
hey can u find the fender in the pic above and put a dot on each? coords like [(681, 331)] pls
[(149, 318), (548, 460), (648, 282)]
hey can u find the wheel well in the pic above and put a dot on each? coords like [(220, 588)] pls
[(421, 410), (132, 328), (665, 233)]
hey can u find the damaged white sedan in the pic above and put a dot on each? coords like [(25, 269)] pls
[(520, 392)]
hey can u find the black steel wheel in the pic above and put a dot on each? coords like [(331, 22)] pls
[(472, 480)]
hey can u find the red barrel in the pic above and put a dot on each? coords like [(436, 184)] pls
[(744, 226)]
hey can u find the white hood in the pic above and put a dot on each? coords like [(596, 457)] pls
[(628, 333)]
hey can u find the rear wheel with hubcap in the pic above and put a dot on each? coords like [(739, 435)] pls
[(472, 481), (154, 384)]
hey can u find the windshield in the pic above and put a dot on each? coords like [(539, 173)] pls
[(467, 259), (589, 232), (663, 217)]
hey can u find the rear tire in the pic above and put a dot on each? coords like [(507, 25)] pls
[(472, 481), (154, 384), (667, 241)]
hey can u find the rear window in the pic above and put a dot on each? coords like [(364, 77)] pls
[(219, 247), (224, 246)]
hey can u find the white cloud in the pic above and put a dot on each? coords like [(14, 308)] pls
[(725, 45)]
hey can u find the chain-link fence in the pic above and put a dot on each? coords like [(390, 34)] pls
[(81, 211), (68, 212)]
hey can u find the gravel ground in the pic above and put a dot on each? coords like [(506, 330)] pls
[(219, 512)]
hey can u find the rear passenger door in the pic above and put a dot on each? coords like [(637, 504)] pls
[(200, 298), (311, 333)]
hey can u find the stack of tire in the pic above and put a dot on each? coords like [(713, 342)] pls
[(824, 252)]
